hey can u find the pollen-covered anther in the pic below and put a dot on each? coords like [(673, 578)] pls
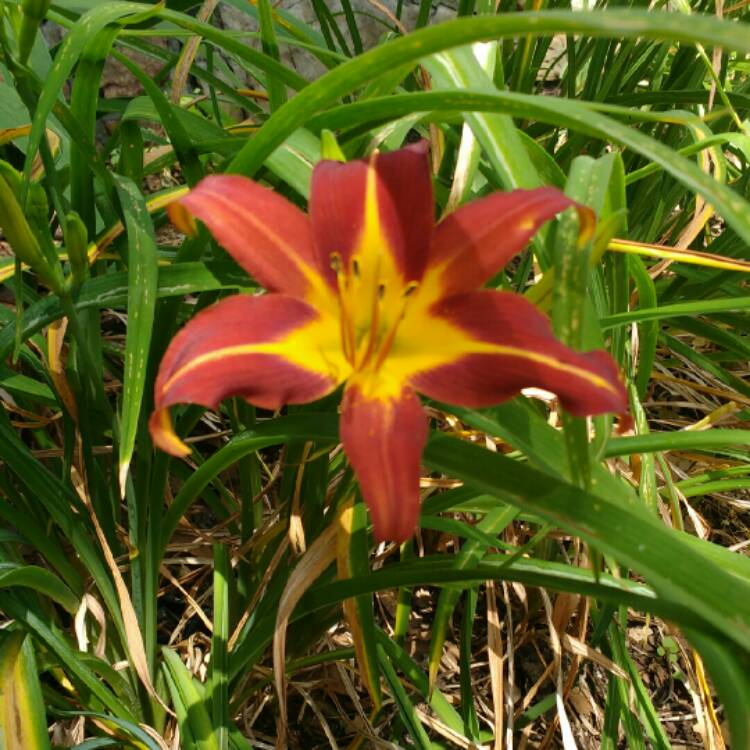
[(387, 340), (410, 288)]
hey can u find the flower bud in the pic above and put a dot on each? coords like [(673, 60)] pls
[(19, 234), (76, 243)]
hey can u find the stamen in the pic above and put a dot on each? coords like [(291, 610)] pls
[(355, 267), (372, 340), (411, 287), (348, 339), (387, 343)]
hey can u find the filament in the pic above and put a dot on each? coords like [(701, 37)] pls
[(348, 339), (385, 347)]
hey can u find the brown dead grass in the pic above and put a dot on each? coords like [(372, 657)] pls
[(328, 706)]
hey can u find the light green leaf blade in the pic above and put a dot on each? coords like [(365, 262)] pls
[(142, 283)]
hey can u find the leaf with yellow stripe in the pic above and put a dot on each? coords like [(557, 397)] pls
[(23, 723), (8, 135), (352, 561)]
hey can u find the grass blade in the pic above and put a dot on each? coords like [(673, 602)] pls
[(142, 283), (23, 724), (188, 697), (217, 686), (634, 538), (413, 47)]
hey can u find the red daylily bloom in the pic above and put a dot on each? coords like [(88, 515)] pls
[(367, 290)]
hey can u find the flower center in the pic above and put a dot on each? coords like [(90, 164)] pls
[(371, 309)]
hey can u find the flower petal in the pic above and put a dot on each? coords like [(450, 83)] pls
[(474, 242), (384, 430), (271, 350), (265, 233), (379, 211), (481, 348)]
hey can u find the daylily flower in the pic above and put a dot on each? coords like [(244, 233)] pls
[(366, 290)]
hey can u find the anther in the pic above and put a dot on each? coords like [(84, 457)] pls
[(387, 341), (355, 267), (335, 260), (381, 291)]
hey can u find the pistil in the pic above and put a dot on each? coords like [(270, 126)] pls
[(368, 345), (373, 333)]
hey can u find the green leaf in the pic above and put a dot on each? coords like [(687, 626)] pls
[(40, 580), (58, 500), (714, 439), (228, 42), (626, 532), (142, 284), (353, 561), (460, 69), (128, 728), (188, 697), (22, 713), (647, 330), (83, 106), (83, 30), (217, 685), (23, 385), (405, 707), (274, 87), (12, 112), (471, 552), (730, 672), (32, 619), (111, 290), (179, 137), (677, 310), (577, 116), (418, 45)]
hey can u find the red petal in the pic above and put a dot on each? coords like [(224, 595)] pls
[(265, 233), (474, 242), (510, 346), (383, 436), (272, 350), (399, 196)]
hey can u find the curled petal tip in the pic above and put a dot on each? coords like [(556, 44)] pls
[(182, 219), (164, 436), (586, 224), (475, 241), (497, 344), (270, 349)]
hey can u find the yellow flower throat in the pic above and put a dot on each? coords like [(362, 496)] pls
[(372, 304)]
